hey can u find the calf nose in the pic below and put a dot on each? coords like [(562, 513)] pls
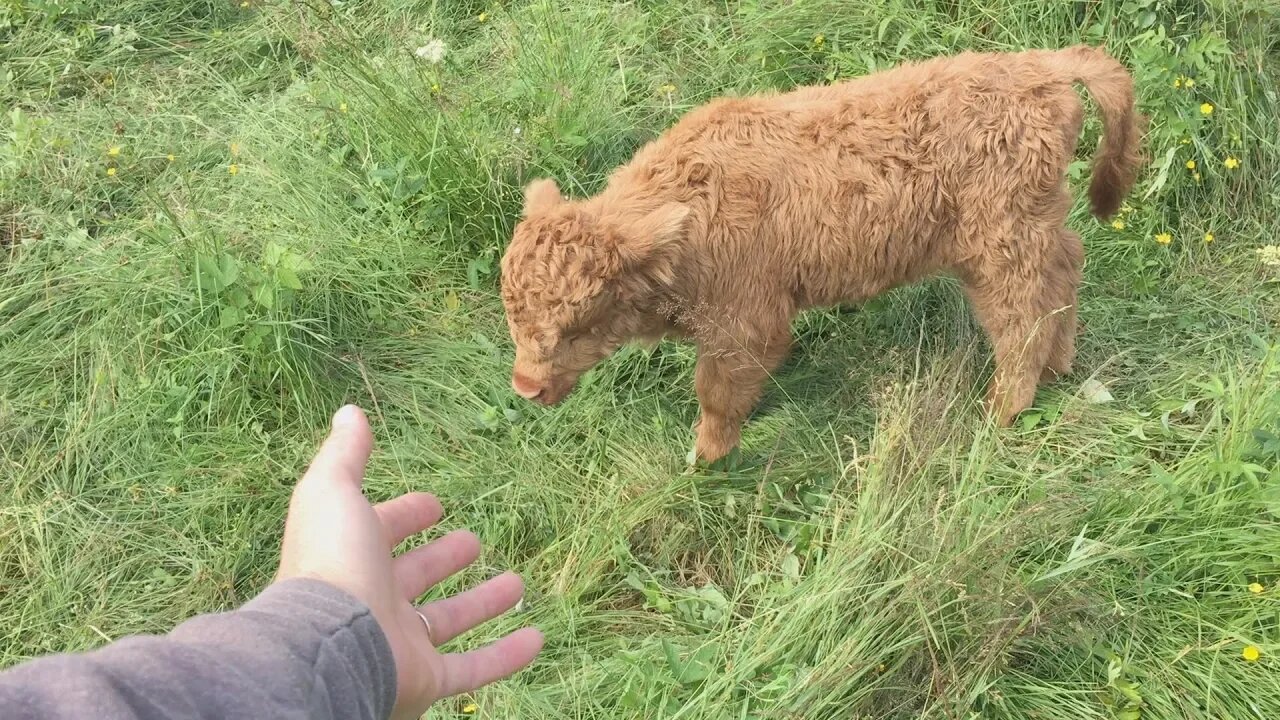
[(525, 387)]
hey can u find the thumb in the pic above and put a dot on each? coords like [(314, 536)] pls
[(325, 493), (344, 454)]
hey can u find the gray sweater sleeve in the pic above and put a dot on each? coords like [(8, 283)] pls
[(301, 649)]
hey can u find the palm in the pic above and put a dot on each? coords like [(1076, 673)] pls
[(335, 535)]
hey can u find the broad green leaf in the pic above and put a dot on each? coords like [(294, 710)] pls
[(230, 269), (208, 275), (288, 278), (265, 296), (230, 316)]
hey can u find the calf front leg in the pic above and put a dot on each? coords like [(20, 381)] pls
[(728, 382)]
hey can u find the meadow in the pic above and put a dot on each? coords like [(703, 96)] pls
[(221, 220)]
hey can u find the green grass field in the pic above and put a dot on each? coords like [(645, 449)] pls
[(221, 220)]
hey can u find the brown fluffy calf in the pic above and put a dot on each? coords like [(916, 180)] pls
[(751, 209)]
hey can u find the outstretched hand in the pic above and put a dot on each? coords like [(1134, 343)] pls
[(333, 534)]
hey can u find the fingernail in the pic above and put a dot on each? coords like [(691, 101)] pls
[(347, 416)]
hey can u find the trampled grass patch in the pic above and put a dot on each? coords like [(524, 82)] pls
[(219, 221)]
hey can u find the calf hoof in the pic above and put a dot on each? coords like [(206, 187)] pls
[(1053, 374), (713, 444), (999, 411), (709, 453)]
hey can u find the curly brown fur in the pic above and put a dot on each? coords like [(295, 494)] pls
[(749, 210)]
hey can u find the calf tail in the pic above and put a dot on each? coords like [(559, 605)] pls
[(1119, 157)]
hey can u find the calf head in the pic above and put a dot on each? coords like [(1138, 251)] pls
[(577, 284)]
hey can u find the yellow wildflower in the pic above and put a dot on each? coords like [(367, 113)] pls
[(233, 169), (1206, 108), (114, 151), (1189, 83), (172, 157), (1186, 141), (1208, 238), (667, 88), (483, 17), (342, 107), (1196, 175), (819, 40), (234, 148), (435, 88), (1164, 238), (1191, 164), (1231, 162), (1177, 82), (244, 3), (1251, 653), (1117, 224), (1256, 588), (111, 172), (470, 709)]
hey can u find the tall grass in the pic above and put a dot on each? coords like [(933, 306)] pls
[(173, 337)]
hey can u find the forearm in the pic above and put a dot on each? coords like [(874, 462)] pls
[(302, 649)]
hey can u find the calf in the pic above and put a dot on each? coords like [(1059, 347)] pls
[(752, 209)]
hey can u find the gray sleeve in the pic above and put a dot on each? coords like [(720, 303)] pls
[(301, 649)]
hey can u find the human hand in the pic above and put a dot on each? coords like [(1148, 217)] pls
[(333, 534)]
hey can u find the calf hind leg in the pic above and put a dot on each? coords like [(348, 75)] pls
[(1020, 337), (1062, 296), (1027, 308)]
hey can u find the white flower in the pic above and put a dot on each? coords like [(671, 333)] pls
[(1269, 255), (517, 131), (432, 52)]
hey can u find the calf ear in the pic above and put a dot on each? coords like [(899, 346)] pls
[(540, 196), (651, 240)]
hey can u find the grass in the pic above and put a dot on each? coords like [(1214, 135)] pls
[(174, 336)]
